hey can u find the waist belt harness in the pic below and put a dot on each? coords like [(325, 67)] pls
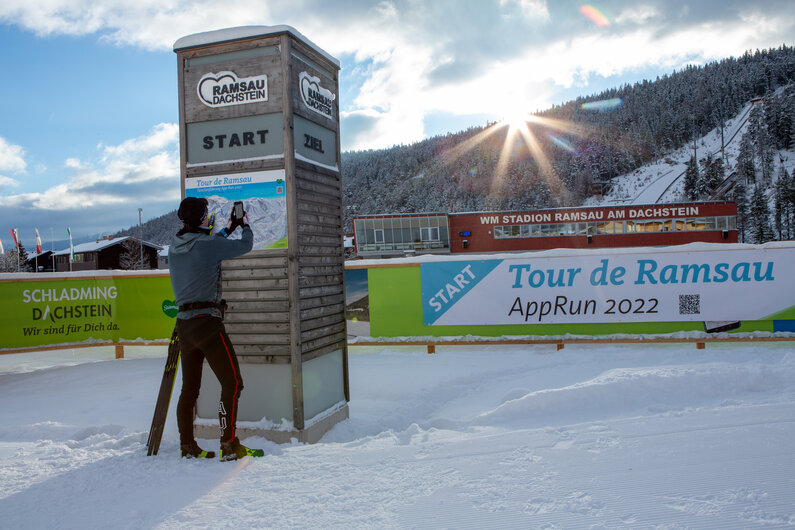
[(221, 306)]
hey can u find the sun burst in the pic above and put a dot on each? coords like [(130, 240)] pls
[(525, 126)]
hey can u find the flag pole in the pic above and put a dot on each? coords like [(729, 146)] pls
[(38, 250), (15, 237), (71, 248)]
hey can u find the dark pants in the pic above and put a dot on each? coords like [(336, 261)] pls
[(202, 338)]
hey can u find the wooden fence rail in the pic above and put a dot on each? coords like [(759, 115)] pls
[(431, 344), (700, 342), (119, 346)]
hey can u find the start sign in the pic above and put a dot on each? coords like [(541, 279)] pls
[(244, 138)]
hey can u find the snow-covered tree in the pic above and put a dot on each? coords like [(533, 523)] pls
[(740, 195), (711, 176), (8, 261), (759, 216), (15, 261), (746, 168), (692, 179), (785, 205), (130, 257)]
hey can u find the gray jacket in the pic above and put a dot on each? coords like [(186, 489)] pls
[(194, 262)]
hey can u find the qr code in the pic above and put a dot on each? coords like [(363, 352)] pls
[(689, 304)]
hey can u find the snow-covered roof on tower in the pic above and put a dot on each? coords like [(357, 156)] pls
[(245, 32)]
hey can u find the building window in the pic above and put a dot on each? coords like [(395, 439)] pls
[(429, 233), (614, 227), (402, 233)]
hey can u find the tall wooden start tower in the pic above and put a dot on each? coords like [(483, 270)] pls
[(259, 122)]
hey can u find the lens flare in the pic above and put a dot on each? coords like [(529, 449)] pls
[(520, 131), (562, 143), (516, 121), (603, 105), (594, 15), (456, 152), (546, 170)]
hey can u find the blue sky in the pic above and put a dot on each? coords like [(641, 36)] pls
[(88, 102)]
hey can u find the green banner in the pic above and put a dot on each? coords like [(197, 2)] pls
[(60, 310)]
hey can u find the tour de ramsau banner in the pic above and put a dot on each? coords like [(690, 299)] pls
[(80, 309), (670, 286)]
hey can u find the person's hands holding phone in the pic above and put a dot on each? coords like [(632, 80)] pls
[(238, 217)]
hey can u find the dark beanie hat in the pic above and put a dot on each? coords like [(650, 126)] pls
[(192, 211)]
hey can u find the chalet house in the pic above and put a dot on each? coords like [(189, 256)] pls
[(41, 262), (162, 257), (106, 253)]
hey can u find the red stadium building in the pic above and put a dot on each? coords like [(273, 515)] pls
[(591, 227)]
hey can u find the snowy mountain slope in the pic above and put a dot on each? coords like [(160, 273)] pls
[(663, 181)]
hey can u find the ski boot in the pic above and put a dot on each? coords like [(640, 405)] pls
[(234, 450), (192, 450)]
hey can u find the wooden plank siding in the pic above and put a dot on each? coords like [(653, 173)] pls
[(257, 319), (319, 227), (320, 256), (320, 260)]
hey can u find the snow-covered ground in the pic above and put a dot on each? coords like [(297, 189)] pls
[(605, 436)]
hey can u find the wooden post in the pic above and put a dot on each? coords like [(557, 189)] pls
[(560, 346), (431, 348), (292, 242), (119, 351), (700, 345)]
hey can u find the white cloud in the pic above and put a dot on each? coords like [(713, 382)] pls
[(149, 24), (123, 174), (639, 14), (7, 182), (12, 157), (529, 78), (416, 57), (532, 9), (163, 136), (73, 163), (397, 92)]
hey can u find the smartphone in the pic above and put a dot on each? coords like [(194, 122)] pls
[(719, 326), (237, 210)]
